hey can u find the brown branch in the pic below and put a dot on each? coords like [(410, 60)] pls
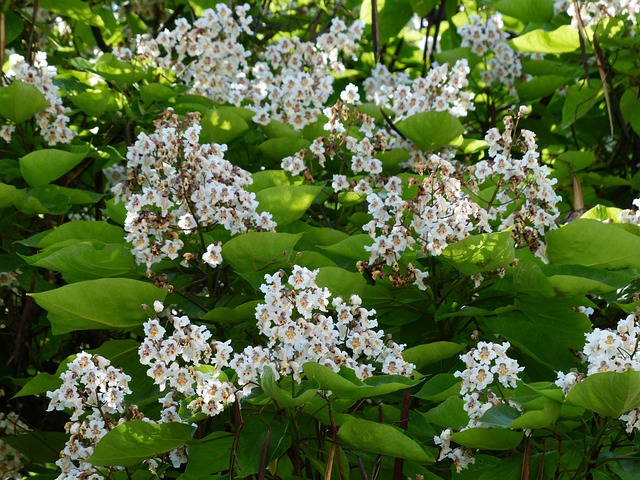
[(375, 30)]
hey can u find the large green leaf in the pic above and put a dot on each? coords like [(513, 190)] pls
[(488, 438), (545, 328), (283, 397), (20, 101), (479, 253), (595, 244), (352, 388), (287, 203), (539, 418), (393, 15), (132, 442), (276, 149), (109, 303), (241, 313), (222, 125), (86, 260), (209, 455), (448, 414), (352, 247), (77, 230), (538, 11), (581, 97), (571, 280), (255, 251), (123, 73), (423, 355), (41, 383), (75, 9), (439, 388), (44, 166), (540, 86), (341, 282), (431, 130), (96, 103), (607, 393), (382, 439), (563, 39)]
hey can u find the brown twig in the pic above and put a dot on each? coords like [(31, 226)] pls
[(375, 30), (398, 464), (30, 52)]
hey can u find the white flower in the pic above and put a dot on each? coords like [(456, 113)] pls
[(213, 255)]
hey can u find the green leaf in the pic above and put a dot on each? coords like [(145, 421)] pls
[(123, 73), (382, 439), (500, 416), (44, 166), (275, 129), (594, 244), (580, 98), (439, 388), (539, 418), (241, 252), (423, 355), (563, 39), (37, 446), (86, 260), (241, 313), (449, 414), (540, 86), (635, 119), (275, 149), (76, 9), (352, 247), (13, 25), (607, 393), (545, 328), (479, 253), (21, 101), (422, 7), (538, 11), (95, 104), (41, 383), (270, 178), (221, 125), (111, 303), (136, 440), (340, 282), (283, 397), (604, 214), (431, 130), (77, 230), (287, 203), (209, 455), (393, 15), (352, 388), (156, 92), (488, 438), (571, 280)]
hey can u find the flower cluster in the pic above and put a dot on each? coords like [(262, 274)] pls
[(299, 329), (290, 82), (592, 12), (175, 361), (294, 80), (630, 215), (486, 364), (175, 184), (206, 55), (520, 182), (10, 458), (440, 90), (486, 36), (95, 392), (53, 120), (9, 283), (294, 320), (610, 351)]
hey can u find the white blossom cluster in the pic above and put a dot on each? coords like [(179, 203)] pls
[(9, 281), (95, 392), (53, 120), (206, 55), (177, 185), (520, 181), (592, 12), (178, 361), (629, 215), (609, 350), (486, 364), (294, 319), (486, 37), (293, 80), (440, 90), (290, 82), (11, 460)]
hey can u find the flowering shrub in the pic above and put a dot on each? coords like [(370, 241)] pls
[(281, 240)]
